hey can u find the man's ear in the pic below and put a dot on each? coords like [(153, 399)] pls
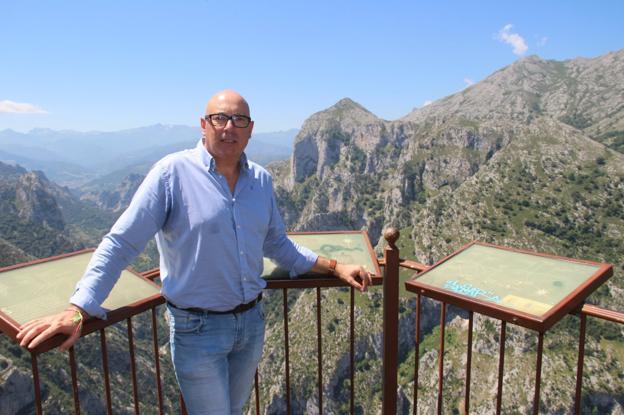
[(251, 125)]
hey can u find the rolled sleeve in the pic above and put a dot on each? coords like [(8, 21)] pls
[(304, 263)]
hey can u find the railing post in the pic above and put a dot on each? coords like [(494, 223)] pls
[(37, 385), (390, 322)]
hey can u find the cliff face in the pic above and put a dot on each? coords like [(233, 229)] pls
[(31, 224), (35, 204), (41, 219), (16, 388)]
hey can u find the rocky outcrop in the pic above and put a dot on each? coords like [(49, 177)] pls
[(35, 203), (118, 199), (318, 144), (40, 218), (16, 389)]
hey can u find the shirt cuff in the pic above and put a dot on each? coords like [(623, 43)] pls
[(88, 304)]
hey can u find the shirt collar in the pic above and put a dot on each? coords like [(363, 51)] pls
[(209, 161)]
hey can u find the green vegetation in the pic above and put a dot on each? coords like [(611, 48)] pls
[(613, 139), (577, 120)]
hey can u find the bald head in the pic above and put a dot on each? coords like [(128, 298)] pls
[(225, 141), (227, 98)]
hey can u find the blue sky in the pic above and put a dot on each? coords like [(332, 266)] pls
[(110, 65)]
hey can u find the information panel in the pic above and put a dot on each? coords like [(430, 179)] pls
[(345, 247), (37, 290), (529, 288)]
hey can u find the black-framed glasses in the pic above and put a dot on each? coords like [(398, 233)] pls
[(220, 120)]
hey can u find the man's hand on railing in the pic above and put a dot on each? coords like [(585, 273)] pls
[(354, 275), (37, 331)]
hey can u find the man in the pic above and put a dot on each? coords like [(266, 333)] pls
[(215, 217)]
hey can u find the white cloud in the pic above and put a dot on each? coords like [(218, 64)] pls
[(427, 103), (519, 45), (7, 106), (469, 81)]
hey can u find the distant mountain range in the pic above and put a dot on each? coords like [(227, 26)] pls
[(75, 158)]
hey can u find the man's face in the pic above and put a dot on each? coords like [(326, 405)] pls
[(226, 143)]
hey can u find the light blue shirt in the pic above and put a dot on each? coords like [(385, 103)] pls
[(211, 242)]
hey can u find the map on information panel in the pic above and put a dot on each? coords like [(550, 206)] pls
[(526, 282), (345, 247), (43, 288)]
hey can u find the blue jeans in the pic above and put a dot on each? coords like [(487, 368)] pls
[(215, 357)]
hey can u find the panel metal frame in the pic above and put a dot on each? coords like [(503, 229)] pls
[(574, 300), (10, 327)]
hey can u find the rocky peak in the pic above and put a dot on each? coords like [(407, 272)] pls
[(35, 203), (345, 114), (325, 135), (346, 108)]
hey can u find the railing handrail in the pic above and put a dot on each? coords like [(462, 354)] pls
[(303, 281), (603, 313)]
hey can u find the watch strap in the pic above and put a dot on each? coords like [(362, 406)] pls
[(332, 265)]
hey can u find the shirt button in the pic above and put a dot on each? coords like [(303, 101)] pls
[(241, 252), (237, 226)]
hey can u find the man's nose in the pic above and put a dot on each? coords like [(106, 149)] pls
[(229, 124)]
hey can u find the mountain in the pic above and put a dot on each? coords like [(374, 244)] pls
[(41, 219), (31, 224), (92, 148), (583, 93), (116, 199), (531, 157), (516, 123)]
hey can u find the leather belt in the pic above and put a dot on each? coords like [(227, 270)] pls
[(238, 309)]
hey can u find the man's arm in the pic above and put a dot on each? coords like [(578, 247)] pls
[(127, 238)]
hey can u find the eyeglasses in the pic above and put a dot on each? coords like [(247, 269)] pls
[(221, 119)]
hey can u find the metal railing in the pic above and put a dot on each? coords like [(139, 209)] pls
[(582, 313), (587, 310), (391, 263)]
